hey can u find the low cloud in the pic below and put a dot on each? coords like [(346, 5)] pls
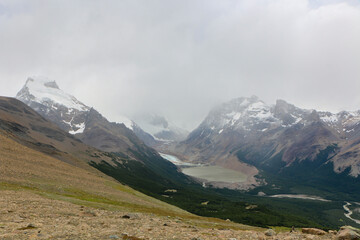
[(180, 58)]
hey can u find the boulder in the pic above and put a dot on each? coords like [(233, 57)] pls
[(357, 230), (270, 232), (348, 233), (313, 231)]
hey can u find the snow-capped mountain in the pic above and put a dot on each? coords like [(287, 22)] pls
[(345, 123), (45, 96), (160, 128), (258, 133), (73, 116), (252, 114)]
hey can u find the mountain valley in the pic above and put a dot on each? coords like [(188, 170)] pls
[(278, 140), (263, 150)]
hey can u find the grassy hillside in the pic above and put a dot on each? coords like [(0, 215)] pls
[(23, 169)]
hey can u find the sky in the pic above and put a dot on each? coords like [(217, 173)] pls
[(180, 58)]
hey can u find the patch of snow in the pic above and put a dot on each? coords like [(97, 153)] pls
[(81, 128), (263, 115), (257, 106), (297, 119), (332, 118), (221, 131)]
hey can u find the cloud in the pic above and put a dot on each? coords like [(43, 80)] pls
[(180, 58)]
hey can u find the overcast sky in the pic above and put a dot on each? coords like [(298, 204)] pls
[(179, 58)]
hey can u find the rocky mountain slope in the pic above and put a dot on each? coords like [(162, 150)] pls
[(275, 138), (27, 127), (87, 124)]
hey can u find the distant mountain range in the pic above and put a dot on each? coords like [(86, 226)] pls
[(279, 139), (45, 96)]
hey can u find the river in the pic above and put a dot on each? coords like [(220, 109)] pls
[(348, 212)]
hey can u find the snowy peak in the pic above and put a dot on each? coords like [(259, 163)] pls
[(39, 80), (45, 97), (289, 114), (252, 114), (346, 123), (45, 91), (240, 114)]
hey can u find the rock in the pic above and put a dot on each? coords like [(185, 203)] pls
[(313, 231), (114, 237), (288, 238), (261, 237), (270, 232), (250, 207), (232, 238), (30, 225), (334, 232), (351, 228), (348, 233), (89, 213)]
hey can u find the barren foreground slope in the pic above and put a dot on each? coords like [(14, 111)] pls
[(44, 198)]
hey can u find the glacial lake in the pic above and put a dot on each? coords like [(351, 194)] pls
[(215, 174), (209, 173)]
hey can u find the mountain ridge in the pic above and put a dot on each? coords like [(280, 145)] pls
[(274, 138)]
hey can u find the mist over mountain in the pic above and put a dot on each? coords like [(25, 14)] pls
[(159, 127), (304, 51)]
